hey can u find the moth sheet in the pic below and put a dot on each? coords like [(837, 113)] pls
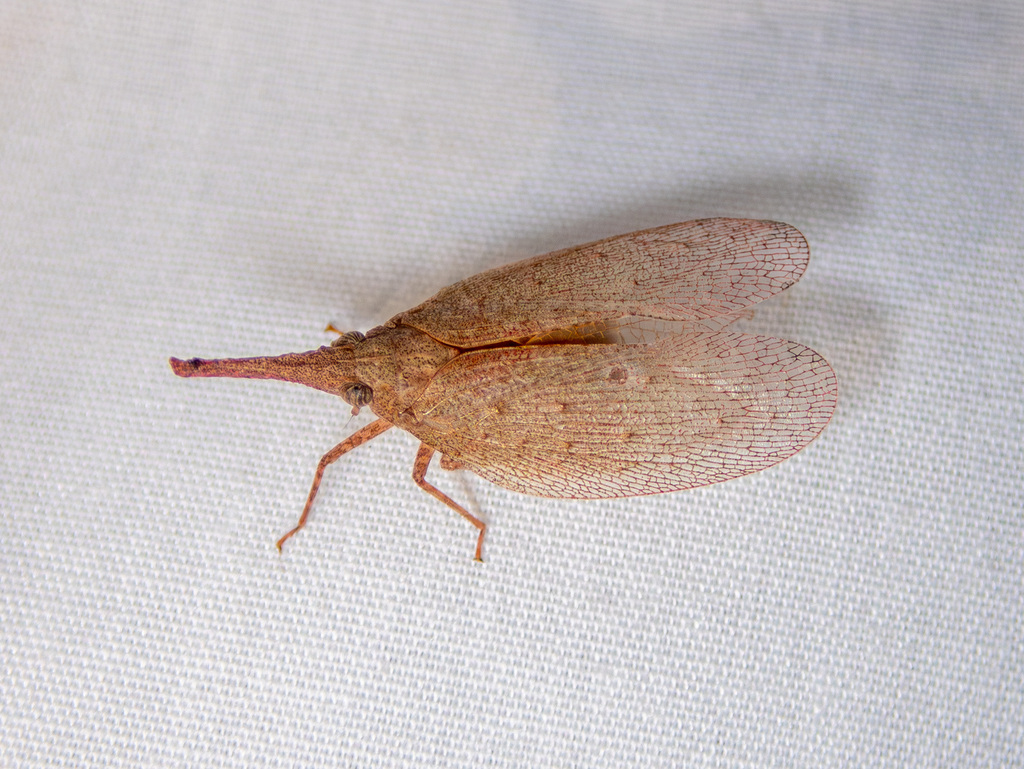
[(224, 179)]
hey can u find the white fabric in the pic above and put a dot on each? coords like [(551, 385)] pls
[(195, 178)]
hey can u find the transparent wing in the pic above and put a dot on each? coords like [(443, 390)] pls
[(693, 271), (595, 421)]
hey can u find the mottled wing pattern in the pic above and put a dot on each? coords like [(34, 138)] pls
[(595, 421), (691, 271)]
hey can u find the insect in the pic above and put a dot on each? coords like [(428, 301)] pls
[(604, 370)]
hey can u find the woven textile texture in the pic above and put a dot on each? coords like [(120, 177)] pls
[(223, 179)]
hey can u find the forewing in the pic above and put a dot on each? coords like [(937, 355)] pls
[(693, 271), (595, 421)]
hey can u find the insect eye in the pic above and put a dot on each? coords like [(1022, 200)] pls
[(358, 395), (347, 338)]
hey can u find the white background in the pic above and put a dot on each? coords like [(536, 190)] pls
[(223, 178)]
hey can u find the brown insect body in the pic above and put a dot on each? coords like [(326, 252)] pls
[(598, 371)]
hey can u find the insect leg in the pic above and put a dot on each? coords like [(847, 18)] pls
[(419, 474), (357, 438), (447, 463)]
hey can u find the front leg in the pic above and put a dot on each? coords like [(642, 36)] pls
[(357, 438)]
